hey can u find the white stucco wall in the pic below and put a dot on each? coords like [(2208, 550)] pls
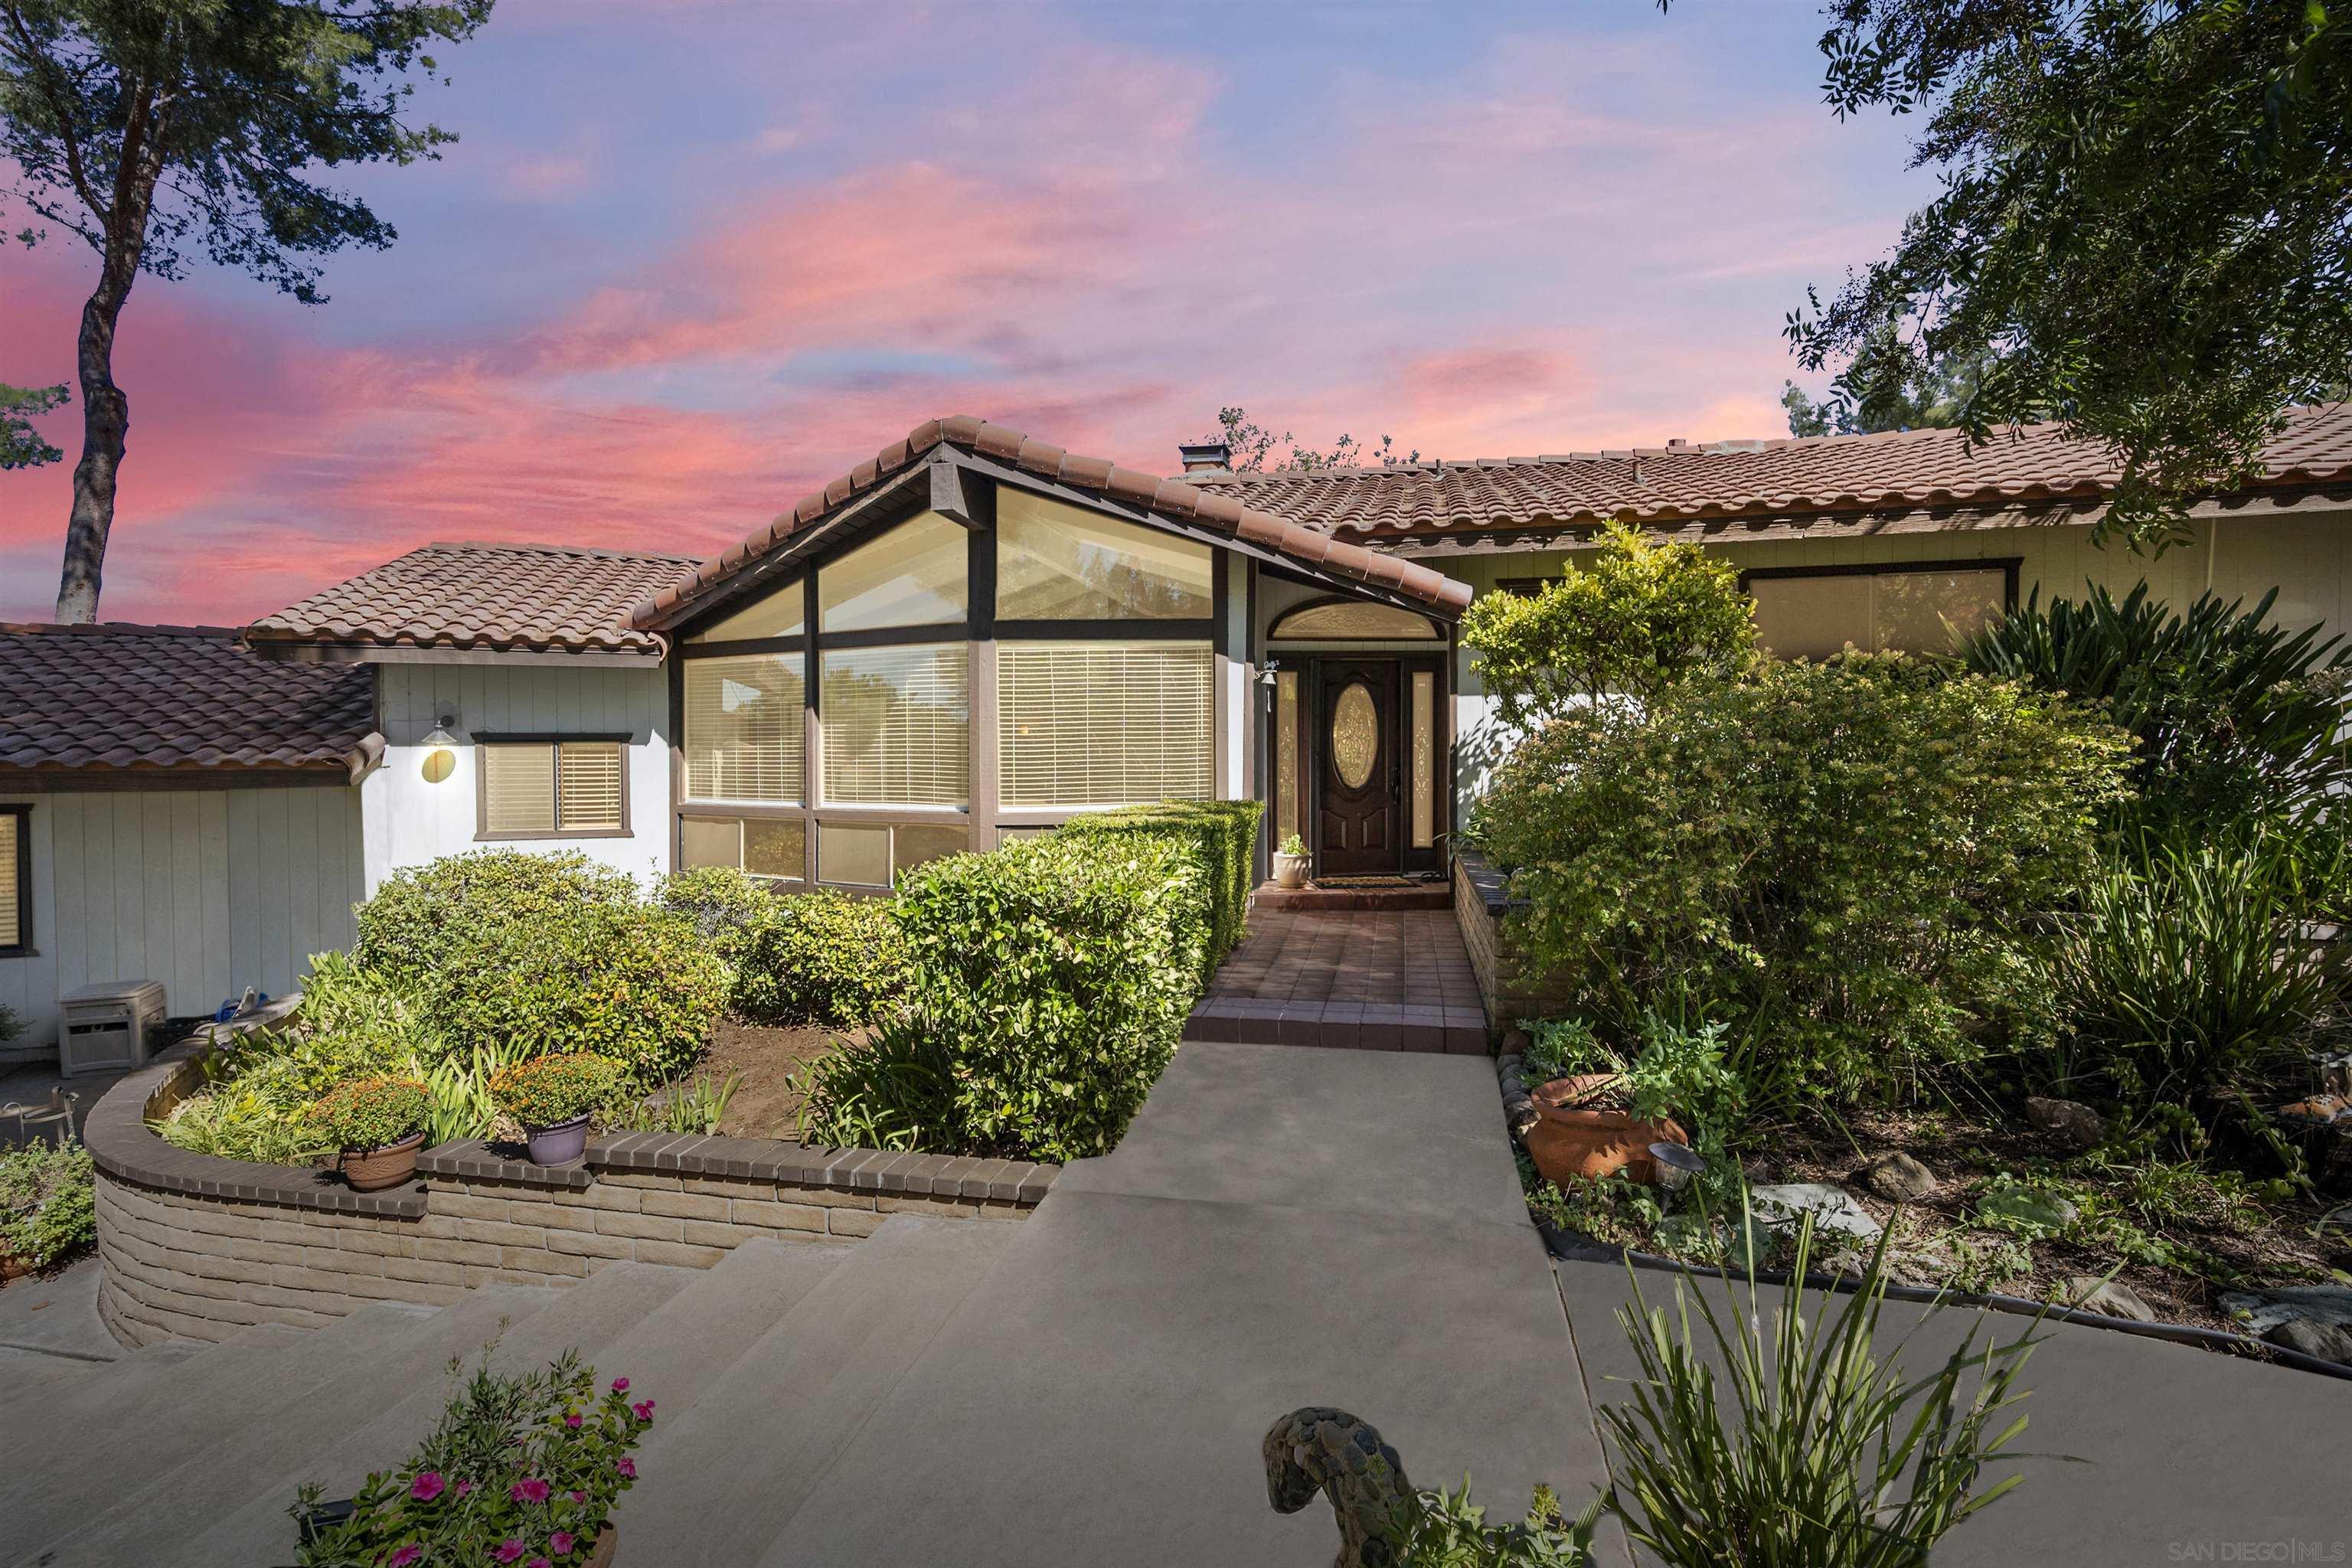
[(208, 891), (409, 821)]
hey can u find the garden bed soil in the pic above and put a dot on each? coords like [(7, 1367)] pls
[(767, 1103), (2246, 1243)]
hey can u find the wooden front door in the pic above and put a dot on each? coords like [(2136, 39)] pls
[(1356, 818)]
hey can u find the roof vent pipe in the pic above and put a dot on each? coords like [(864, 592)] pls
[(1206, 456)]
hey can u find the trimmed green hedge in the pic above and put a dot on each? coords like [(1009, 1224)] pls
[(1220, 837), (820, 957), (1050, 980)]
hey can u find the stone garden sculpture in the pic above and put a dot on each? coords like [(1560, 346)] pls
[(1329, 1451)]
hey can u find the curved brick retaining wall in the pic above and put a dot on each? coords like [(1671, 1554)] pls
[(193, 1247)]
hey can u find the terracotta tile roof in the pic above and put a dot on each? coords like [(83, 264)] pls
[(1730, 479), (502, 597), (115, 697), (1175, 499)]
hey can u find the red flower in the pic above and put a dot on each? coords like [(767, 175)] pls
[(644, 1410), (559, 1543), (507, 1550), (620, 1385), (425, 1488), (627, 1465), (530, 1489)]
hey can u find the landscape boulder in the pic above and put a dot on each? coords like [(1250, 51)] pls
[(1898, 1178), (2324, 1341), (1835, 1211), (2089, 1293), (2070, 1119)]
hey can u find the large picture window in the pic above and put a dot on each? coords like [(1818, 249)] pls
[(1922, 608), (15, 879), (743, 728), (1103, 723), (1057, 562), (553, 788), (913, 576), (896, 723)]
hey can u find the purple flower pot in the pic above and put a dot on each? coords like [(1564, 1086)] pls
[(559, 1144)]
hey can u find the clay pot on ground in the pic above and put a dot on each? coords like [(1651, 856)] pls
[(559, 1144), (1575, 1135), (372, 1170)]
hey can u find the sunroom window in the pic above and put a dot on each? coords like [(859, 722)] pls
[(743, 728), (1057, 562), (913, 576), (1103, 723), (896, 725)]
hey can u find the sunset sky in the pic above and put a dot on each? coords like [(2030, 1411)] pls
[(690, 260)]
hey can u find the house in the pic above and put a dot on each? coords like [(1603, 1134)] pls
[(975, 634)]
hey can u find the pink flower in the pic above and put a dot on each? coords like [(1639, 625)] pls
[(620, 1385), (406, 1555), (465, 1487), (507, 1550), (644, 1410), (627, 1465), (425, 1488), (559, 1543), (579, 1497), (530, 1489), (538, 1563), (571, 1419)]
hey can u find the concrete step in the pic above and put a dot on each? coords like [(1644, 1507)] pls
[(673, 1355), (725, 1475), (110, 1384), (346, 1445), (53, 1485), (153, 1518), (29, 1379)]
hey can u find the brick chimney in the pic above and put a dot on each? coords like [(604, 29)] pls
[(1206, 456)]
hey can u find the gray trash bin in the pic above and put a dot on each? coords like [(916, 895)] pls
[(107, 1028)]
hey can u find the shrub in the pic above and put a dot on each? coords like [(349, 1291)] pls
[(2237, 718), (423, 916), (47, 1201), (2186, 967), (1050, 980), (1847, 860), (1221, 837), (821, 957), (240, 1120), (1818, 1451), (372, 1113), (625, 980), (12, 1023), (519, 1469), (1637, 619), (542, 1091)]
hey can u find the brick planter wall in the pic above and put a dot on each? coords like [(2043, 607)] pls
[(192, 1246), (1508, 983)]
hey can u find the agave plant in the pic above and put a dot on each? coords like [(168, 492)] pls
[(1811, 1446)]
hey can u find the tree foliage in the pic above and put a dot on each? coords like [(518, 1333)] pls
[(1884, 388), (1252, 446), (21, 446), (2145, 229), (1638, 618)]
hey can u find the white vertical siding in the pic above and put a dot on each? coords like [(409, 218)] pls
[(208, 891), (410, 821)]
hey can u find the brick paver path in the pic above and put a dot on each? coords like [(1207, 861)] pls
[(1386, 980)]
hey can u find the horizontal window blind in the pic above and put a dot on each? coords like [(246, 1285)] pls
[(519, 788), (743, 728), (1103, 723), (12, 853), (896, 725), (588, 786)]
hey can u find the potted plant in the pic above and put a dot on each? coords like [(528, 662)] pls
[(1584, 1128), (1599, 1109), (378, 1123), (553, 1096), (1290, 863), (520, 1469)]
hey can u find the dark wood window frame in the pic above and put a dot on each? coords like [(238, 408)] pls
[(483, 741), (20, 821)]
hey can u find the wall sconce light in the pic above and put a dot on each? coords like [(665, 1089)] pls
[(1266, 679), (441, 757)]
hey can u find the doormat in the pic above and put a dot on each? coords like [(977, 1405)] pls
[(1377, 880)]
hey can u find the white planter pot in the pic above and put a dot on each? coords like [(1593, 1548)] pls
[(1289, 871)]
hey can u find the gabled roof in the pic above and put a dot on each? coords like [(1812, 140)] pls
[(1780, 479), (120, 697), (1173, 500), (505, 598)]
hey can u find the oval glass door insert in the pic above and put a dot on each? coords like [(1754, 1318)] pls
[(1355, 736)]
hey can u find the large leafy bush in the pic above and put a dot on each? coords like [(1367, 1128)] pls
[(1049, 983), (553, 950), (821, 957), (1848, 857), (2237, 719), (1221, 838), (47, 1203), (1635, 620)]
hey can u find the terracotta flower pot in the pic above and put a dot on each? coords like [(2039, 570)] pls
[(1572, 1138), (608, 1541), (372, 1170), (559, 1144)]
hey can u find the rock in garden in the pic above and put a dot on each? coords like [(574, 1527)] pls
[(2068, 1118), (2325, 1342), (2319, 1108), (2025, 1206), (2089, 1293), (2265, 1310), (1516, 1042), (1835, 1210), (1898, 1178)]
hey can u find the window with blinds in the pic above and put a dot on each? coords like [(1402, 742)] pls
[(743, 728), (16, 865), (1057, 562), (551, 788), (895, 726), (1816, 615), (1096, 723)]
